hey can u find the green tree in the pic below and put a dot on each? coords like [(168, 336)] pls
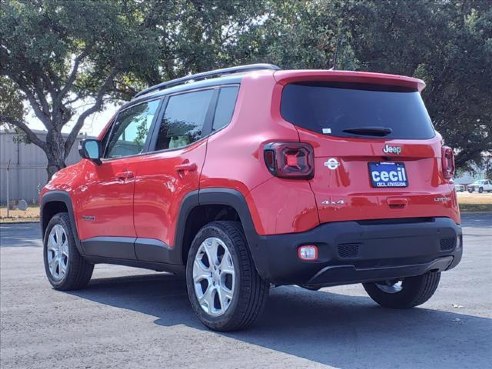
[(446, 43), (11, 101), (197, 35), (58, 53)]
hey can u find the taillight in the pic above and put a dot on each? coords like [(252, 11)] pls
[(448, 167), (293, 160)]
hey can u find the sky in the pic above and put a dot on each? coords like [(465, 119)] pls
[(92, 125)]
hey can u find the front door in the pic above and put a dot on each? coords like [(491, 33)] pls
[(106, 201)]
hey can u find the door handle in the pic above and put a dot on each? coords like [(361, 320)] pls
[(127, 174), (397, 203), (190, 167)]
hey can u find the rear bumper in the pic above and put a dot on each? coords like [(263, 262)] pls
[(364, 251)]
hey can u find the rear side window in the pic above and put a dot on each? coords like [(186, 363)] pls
[(356, 111), (183, 119), (225, 107)]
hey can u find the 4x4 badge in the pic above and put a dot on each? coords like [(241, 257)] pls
[(332, 163), (387, 149)]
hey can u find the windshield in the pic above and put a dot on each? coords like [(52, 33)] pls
[(356, 110)]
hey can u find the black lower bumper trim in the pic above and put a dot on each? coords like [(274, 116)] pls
[(347, 274), (355, 252)]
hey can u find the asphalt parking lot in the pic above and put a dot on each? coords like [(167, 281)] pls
[(130, 318)]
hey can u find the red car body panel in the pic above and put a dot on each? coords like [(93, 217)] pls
[(147, 203), (290, 76), (162, 180)]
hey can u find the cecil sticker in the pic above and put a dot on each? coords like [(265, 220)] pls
[(388, 175)]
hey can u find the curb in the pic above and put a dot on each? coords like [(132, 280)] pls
[(22, 222)]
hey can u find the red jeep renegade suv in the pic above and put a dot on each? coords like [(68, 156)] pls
[(249, 176)]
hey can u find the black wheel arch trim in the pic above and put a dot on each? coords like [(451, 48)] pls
[(64, 197), (220, 196)]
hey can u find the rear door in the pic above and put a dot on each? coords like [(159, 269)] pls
[(173, 170), (376, 152)]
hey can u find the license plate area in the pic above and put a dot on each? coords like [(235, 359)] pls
[(387, 174)]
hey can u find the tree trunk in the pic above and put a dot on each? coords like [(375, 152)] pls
[(55, 152)]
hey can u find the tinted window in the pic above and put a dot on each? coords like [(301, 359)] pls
[(331, 110), (183, 119), (225, 107), (131, 129)]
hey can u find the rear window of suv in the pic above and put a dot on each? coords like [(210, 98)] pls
[(356, 110)]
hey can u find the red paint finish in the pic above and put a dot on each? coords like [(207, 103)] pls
[(345, 193), (140, 196), (290, 76), (162, 180), (104, 202)]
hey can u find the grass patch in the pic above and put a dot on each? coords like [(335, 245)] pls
[(30, 215), (475, 201), (475, 207)]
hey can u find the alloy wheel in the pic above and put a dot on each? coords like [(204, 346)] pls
[(214, 276), (390, 286), (57, 252)]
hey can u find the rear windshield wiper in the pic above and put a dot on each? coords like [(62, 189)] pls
[(369, 131)]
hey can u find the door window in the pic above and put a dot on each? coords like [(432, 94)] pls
[(183, 119), (131, 130)]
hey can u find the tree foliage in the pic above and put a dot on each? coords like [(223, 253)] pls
[(59, 53), (446, 43), (56, 53)]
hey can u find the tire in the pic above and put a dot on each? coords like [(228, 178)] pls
[(412, 291), (480, 190), (70, 271), (470, 190), (243, 294)]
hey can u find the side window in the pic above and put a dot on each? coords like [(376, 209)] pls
[(131, 129), (183, 119), (225, 107)]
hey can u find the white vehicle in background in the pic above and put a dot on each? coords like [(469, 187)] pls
[(459, 187), (480, 186)]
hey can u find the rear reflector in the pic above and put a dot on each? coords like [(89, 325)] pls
[(308, 252)]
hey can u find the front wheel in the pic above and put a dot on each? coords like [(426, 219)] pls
[(223, 285), (404, 293), (480, 190), (65, 268)]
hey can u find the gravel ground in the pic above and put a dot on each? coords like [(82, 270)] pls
[(130, 318)]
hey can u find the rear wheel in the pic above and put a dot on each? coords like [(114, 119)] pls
[(223, 285), (404, 293), (65, 268), (480, 190)]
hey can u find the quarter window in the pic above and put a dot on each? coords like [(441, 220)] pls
[(183, 119), (225, 107), (131, 129)]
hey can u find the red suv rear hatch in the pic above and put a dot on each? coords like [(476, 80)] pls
[(377, 155)]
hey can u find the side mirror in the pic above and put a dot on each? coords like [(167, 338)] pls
[(91, 149)]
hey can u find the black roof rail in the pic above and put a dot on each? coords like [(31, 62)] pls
[(205, 75)]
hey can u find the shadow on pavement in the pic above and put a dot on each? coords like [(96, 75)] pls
[(324, 327)]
